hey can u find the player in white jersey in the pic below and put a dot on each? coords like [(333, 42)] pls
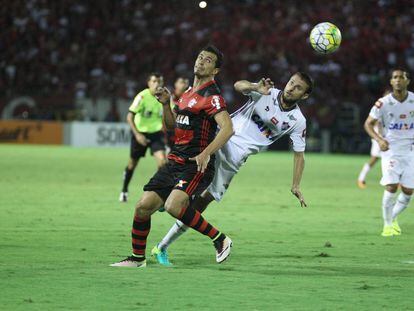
[(395, 111), (375, 155), (268, 115)]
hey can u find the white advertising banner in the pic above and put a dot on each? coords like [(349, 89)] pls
[(97, 134)]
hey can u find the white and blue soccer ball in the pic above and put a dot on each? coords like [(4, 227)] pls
[(325, 38)]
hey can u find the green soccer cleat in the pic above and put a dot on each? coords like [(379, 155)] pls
[(161, 256), (388, 231), (396, 227)]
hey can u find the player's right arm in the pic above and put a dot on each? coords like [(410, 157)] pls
[(262, 87), (369, 125), (133, 109)]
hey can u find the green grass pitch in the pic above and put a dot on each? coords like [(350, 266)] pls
[(61, 225)]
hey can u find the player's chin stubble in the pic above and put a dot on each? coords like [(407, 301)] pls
[(289, 102)]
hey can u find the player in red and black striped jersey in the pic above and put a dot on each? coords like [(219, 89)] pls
[(195, 126), (190, 168)]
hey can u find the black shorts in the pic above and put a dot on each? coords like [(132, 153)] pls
[(157, 143), (183, 177)]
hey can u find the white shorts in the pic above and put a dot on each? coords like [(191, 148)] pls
[(229, 159), (375, 149), (397, 169)]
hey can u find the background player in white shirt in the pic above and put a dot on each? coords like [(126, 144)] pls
[(375, 155), (268, 115), (395, 111)]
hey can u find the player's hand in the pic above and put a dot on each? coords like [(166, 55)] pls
[(384, 146), (141, 139), (264, 86), (163, 95), (202, 161), (296, 192)]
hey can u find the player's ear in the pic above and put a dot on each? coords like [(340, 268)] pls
[(216, 71), (305, 96)]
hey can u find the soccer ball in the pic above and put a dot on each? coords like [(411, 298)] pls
[(325, 38)]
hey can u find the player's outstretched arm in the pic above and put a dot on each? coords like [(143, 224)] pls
[(263, 86), (369, 128), (164, 97), (298, 166), (226, 131)]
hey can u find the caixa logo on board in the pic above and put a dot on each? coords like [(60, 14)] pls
[(113, 135)]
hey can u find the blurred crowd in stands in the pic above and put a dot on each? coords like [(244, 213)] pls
[(82, 48)]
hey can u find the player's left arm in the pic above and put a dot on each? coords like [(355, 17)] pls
[(298, 167), (298, 138), (226, 131)]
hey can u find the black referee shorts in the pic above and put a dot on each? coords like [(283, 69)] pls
[(156, 143)]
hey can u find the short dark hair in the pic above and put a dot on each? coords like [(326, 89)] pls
[(407, 74), (154, 74), (308, 80), (182, 77), (212, 49)]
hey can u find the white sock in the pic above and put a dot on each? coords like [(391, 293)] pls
[(401, 204), (388, 201), (175, 232), (364, 172)]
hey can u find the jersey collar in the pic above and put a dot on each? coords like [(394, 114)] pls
[(279, 100), (202, 86), (392, 95)]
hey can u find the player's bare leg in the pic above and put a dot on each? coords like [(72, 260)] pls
[(128, 172), (146, 206), (177, 205), (160, 158), (200, 203), (400, 205), (388, 202), (365, 170)]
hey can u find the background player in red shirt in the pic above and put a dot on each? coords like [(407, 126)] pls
[(191, 162)]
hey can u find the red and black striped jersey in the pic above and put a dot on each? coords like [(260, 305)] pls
[(195, 126)]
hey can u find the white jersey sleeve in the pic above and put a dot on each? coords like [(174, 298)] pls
[(298, 137), (376, 111), (255, 96)]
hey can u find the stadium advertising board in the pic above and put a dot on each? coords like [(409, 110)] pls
[(99, 134), (31, 132)]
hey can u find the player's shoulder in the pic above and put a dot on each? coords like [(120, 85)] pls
[(275, 92), (385, 100), (144, 93), (301, 119), (410, 96), (209, 90)]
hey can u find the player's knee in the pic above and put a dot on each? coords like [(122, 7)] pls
[(173, 207), (407, 191), (391, 188), (132, 163), (143, 208)]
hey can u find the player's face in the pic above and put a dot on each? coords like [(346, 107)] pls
[(205, 65), (295, 90), (180, 86), (154, 83), (399, 80)]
